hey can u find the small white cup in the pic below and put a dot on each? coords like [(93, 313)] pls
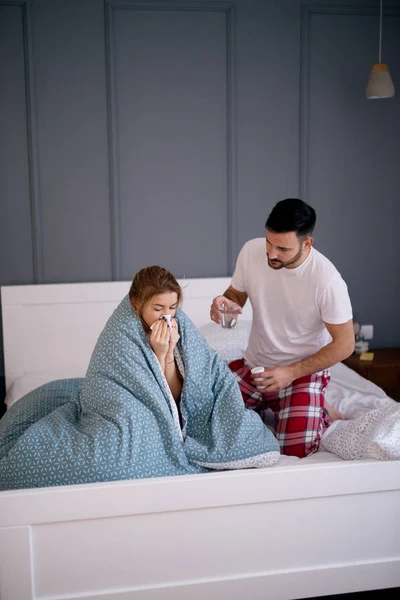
[(256, 370)]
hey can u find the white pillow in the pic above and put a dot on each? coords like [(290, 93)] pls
[(374, 434), (29, 382), (229, 343)]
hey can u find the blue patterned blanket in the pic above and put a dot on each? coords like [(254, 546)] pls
[(121, 421)]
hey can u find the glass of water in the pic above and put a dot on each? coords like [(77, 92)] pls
[(229, 316)]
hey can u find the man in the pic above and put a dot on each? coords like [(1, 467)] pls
[(302, 325)]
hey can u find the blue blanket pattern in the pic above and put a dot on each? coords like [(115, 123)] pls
[(122, 423)]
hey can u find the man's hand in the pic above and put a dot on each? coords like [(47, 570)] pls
[(274, 379), (215, 310)]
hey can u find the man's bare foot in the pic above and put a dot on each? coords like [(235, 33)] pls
[(334, 414)]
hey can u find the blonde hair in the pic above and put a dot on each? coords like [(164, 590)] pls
[(151, 281)]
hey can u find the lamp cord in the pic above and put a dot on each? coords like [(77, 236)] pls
[(380, 34)]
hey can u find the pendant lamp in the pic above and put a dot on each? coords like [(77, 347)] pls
[(380, 84)]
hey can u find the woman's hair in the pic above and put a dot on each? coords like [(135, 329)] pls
[(151, 281)]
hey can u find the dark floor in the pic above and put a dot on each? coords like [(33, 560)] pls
[(373, 595)]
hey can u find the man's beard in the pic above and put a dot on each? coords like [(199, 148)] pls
[(280, 264)]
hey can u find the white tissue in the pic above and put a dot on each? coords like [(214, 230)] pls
[(164, 318)]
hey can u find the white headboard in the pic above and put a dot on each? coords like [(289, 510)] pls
[(54, 327)]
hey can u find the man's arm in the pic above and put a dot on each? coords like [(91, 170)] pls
[(341, 346), (233, 296), (239, 298)]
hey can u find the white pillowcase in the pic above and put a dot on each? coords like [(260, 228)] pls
[(229, 343), (372, 425), (29, 382), (374, 434)]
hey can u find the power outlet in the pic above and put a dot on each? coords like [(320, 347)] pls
[(367, 331)]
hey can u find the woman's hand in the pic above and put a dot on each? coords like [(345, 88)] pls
[(160, 339), (171, 371), (173, 340)]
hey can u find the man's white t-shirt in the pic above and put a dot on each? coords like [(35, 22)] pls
[(290, 306)]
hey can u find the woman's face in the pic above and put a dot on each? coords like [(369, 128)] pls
[(159, 305)]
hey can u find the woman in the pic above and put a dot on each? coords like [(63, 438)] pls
[(154, 295)]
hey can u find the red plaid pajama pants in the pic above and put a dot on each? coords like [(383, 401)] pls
[(300, 416)]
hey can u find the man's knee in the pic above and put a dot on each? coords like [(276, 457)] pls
[(301, 441), (301, 450)]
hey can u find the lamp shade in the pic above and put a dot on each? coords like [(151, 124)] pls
[(380, 84)]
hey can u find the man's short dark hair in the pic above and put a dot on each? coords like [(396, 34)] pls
[(292, 214)]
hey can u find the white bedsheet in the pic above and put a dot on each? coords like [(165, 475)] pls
[(352, 394), (372, 425), (320, 457)]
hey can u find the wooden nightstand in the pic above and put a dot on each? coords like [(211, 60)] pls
[(384, 369)]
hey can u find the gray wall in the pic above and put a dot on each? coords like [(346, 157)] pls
[(163, 132)]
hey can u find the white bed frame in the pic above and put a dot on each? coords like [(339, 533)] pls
[(288, 532)]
